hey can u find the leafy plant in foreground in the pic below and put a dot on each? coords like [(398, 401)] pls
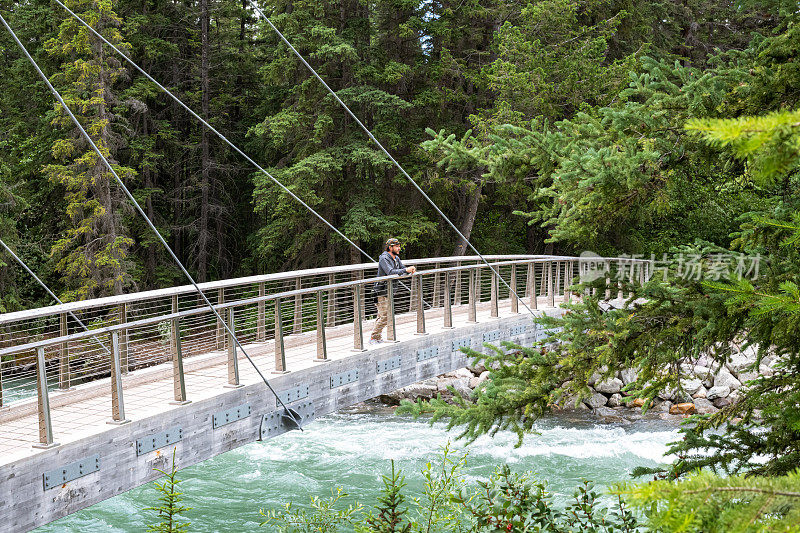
[(325, 516)]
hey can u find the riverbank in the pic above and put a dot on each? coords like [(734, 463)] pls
[(706, 387)]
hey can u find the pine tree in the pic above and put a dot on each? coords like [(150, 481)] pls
[(170, 510), (92, 255), (390, 516), (322, 155)]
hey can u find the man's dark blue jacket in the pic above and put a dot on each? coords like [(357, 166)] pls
[(388, 266)]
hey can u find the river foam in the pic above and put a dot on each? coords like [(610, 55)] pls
[(353, 450)]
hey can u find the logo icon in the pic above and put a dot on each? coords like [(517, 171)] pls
[(591, 266)]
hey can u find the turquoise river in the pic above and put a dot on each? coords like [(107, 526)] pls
[(352, 450)]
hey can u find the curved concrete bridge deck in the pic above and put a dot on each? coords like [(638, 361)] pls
[(157, 372)]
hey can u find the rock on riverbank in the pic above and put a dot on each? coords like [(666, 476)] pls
[(707, 387)]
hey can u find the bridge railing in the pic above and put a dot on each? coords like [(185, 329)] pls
[(45, 350)]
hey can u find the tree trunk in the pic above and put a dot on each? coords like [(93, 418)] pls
[(468, 220), (205, 185), (106, 227), (150, 254)]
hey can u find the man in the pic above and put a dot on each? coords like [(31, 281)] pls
[(389, 264)]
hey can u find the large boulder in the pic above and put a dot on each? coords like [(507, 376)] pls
[(628, 376), (608, 415), (412, 392), (704, 407), (703, 373), (682, 409), (609, 386), (615, 400), (462, 387), (443, 383), (662, 407), (477, 369), (691, 385), (477, 381), (667, 394), (725, 379), (460, 373), (718, 392), (706, 361), (701, 393), (739, 362), (719, 403), (596, 400), (597, 376)]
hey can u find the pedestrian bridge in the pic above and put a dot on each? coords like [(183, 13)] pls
[(88, 414)]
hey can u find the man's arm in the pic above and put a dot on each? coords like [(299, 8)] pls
[(387, 265)]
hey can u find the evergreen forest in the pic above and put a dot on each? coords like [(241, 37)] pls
[(555, 126)]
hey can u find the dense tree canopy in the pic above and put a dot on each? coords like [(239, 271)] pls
[(520, 80)]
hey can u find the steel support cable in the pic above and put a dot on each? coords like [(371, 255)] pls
[(144, 216), (51, 293), (386, 152), (220, 135)]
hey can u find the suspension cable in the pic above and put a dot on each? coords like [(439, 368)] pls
[(386, 152), (51, 293), (147, 220), (222, 137)]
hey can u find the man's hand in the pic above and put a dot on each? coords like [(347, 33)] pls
[(411, 269)]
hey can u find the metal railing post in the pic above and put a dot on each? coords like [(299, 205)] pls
[(567, 281), (123, 336), (297, 327), (45, 424), (420, 306), (631, 278), (607, 278), (391, 327), (558, 279), (532, 285), (280, 349), (63, 358), (358, 326), (436, 283), (472, 315), (221, 333), (448, 308), (478, 276), (233, 355), (322, 345), (117, 401), (513, 285), (543, 283), (457, 296), (551, 301), (261, 314), (178, 377), (494, 311), (331, 302)]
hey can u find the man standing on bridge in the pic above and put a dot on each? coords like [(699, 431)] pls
[(389, 264)]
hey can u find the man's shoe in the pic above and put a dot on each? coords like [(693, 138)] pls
[(375, 341)]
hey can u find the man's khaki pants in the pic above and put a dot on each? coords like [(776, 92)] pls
[(383, 317)]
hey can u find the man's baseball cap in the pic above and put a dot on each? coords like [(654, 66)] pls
[(393, 242)]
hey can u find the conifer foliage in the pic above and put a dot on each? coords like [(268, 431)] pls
[(92, 253)]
